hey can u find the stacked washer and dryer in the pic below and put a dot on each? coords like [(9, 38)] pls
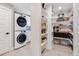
[(21, 35)]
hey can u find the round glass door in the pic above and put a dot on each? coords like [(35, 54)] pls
[(21, 21), (21, 38)]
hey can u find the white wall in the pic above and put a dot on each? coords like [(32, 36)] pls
[(36, 29), (76, 28), (22, 7)]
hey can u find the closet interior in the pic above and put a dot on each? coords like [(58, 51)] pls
[(62, 22), (60, 31)]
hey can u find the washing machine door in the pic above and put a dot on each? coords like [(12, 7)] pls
[(21, 38), (21, 21)]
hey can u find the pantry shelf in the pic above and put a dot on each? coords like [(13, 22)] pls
[(44, 34), (42, 44)]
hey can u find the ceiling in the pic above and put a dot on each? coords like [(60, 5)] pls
[(65, 7), (26, 7), (22, 7)]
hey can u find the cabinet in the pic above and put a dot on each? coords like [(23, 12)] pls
[(5, 29)]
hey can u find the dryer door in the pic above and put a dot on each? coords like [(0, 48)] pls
[(21, 21), (21, 38)]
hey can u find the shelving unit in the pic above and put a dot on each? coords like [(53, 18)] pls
[(62, 22), (65, 22), (66, 26), (43, 33)]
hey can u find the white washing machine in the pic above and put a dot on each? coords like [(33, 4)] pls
[(21, 38), (21, 34), (20, 22)]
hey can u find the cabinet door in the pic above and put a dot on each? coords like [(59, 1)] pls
[(5, 29)]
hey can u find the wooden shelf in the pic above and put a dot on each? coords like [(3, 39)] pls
[(63, 22), (44, 34), (43, 28), (60, 38), (42, 44)]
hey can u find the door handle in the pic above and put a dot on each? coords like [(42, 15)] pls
[(7, 33)]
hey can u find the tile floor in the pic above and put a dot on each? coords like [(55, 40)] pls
[(57, 50), (24, 51)]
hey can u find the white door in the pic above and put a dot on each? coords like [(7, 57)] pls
[(5, 29)]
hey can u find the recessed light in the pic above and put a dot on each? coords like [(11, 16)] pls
[(60, 7)]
